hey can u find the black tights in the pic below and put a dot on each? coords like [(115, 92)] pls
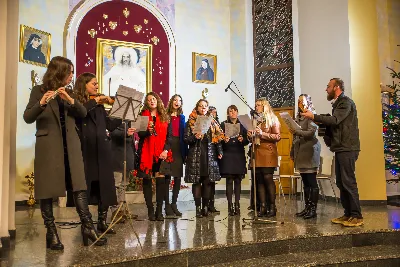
[(201, 191), (175, 189), (230, 180), (309, 179), (160, 191), (266, 188)]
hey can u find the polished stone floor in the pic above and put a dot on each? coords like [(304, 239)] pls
[(186, 233)]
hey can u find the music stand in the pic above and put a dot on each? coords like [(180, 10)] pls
[(126, 107)]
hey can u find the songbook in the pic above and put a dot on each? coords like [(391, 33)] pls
[(127, 103), (141, 123), (202, 124), (291, 124), (232, 130), (246, 122)]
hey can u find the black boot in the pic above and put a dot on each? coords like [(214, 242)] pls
[(52, 240), (102, 225), (198, 212), (237, 208), (150, 212), (87, 229), (205, 210), (263, 210), (175, 210), (211, 207), (169, 211), (159, 215), (231, 212), (307, 192), (312, 211), (272, 211)]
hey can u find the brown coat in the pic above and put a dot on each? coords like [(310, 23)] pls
[(266, 154), (49, 151)]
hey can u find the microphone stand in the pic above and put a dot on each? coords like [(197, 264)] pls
[(255, 219)]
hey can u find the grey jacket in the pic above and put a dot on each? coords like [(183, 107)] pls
[(306, 148), (342, 127)]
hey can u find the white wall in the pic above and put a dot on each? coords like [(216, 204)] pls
[(203, 27), (323, 52), (37, 14)]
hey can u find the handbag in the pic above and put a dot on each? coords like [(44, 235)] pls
[(165, 168)]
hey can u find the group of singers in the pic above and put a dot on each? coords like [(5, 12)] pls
[(74, 154)]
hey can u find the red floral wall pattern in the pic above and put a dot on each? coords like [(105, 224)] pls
[(99, 19)]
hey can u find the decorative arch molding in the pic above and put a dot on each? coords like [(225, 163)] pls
[(82, 8)]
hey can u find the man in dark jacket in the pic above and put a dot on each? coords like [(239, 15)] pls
[(343, 139)]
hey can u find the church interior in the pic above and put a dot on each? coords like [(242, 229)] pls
[(228, 52)]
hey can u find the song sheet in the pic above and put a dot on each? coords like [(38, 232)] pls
[(127, 103), (202, 124), (141, 123), (232, 130), (291, 124), (246, 122)]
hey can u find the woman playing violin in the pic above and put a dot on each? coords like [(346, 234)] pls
[(96, 147)]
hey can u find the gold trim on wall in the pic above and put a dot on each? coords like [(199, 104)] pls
[(22, 44), (99, 59), (194, 70)]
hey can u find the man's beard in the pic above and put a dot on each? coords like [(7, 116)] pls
[(331, 96)]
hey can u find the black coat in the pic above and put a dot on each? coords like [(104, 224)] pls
[(234, 159), (342, 127), (117, 147), (96, 151), (192, 171)]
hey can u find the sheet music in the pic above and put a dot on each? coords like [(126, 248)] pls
[(202, 124), (141, 123), (232, 130), (127, 103), (246, 122), (293, 126)]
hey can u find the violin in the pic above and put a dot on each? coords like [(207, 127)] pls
[(107, 101)]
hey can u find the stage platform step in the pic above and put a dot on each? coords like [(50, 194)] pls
[(381, 255)]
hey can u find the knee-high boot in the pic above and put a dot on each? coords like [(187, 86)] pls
[(102, 225), (312, 211), (175, 192), (52, 240), (307, 193), (160, 195), (148, 197), (211, 202), (87, 229)]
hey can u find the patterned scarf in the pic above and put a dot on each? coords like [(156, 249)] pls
[(153, 145), (217, 135)]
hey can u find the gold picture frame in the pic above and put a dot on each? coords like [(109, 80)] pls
[(204, 72), (29, 38), (115, 63)]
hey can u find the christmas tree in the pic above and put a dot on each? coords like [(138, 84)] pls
[(391, 127)]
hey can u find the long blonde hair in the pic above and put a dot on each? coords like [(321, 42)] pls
[(268, 114)]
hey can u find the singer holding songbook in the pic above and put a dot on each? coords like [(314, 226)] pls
[(202, 161), (265, 138), (233, 164), (58, 158), (152, 152), (96, 147)]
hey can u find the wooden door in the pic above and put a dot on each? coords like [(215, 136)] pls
[(284, 147)]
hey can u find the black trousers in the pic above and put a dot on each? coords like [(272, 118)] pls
[(345, 166)]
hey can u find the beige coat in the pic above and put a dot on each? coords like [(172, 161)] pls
[(49, 151)]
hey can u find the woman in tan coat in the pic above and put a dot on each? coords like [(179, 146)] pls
[(265, 138)]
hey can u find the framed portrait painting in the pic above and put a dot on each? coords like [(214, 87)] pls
[(123, 63), (34, 46), (204, 68)]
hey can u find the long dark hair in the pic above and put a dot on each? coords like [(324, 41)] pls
[(170, 109), (160, 106), (310, 105), (80, 86), (57, 72)]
